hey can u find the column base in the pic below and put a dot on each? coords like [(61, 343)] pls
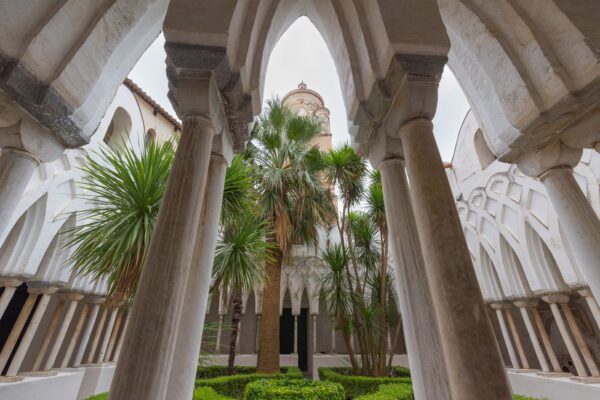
[(11, 379), (523, 370), (38, 374), (586, 379), (555, 374)]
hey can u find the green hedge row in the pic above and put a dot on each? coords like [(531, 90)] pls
[(356, 386), (203, 393), (393, 391), (293, 389), (234, 385)]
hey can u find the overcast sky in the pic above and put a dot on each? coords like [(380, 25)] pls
[(302, 55)]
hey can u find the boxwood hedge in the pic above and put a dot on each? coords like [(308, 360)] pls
[(394, 391), (293, 389), (355, 385)]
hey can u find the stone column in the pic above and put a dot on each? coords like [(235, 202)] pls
[(85, 337), (120, 342), (546, 341), (509, 347), (237, 339), (466, 330), (430, 379), (17, 328), (564, 333), (189, 337), (295, 334), (34, 323), (219, 331), (592, 304), (73, 342), (73, 299), (314, 330), (16, 168), (96, 338), (10, 286), (107, 335), (144, 366), (332, 335), (539, 353), (113, 337), (49, 333), (553, 165), (517, 338), (257, 341), (580, 340)]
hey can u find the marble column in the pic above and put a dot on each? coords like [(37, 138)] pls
[(120, 342), (314, 331), (505, 335), (430, 379), (10, 287), (16, 168), (113, 337), (32, 328), (580, 340), (73, 299), (539, 353), (546, 341), (75, 336), (564, 333), (107, 335), (144, 366), (17, 329), (466, 332), (592, 304), (96, 338), (189, 336), (49, 334), (553, 165), (517, 339), (295, 334), (85, 336)]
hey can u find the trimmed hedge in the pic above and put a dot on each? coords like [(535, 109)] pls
[(520, 397), (206, 393), (356, 386), (102, 396), (394, 391), (234, 385), (293, 389)]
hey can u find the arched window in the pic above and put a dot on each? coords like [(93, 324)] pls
[(485, 155), (118, 131)]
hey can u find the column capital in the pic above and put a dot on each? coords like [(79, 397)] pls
[(95, 300), (71, 296), (556, 298), (385, 149), (10, 282), (501, 306), (526, 303), (585, 292), (555, 157), (42, 290)]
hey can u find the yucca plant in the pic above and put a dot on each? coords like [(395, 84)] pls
[(123, 189)]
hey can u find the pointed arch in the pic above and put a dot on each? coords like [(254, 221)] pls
[(53, 267)]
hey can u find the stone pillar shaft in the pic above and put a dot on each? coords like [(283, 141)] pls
[(314, 338), (422, 333), (458, 303), (10, 287), (509, 347), (16, 330), (564, 333), (580, 340), (539, 353), (295, 334), (333, 335), (113, 337), (85, 337), (144, 366), (97, 334), (546, 340), (73, 342), (107, 335), (48, 337), (517, 338), (120, 342), (219, 330), (62, 332)]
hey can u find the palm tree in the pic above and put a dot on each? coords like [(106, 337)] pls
[(124, 189), (292, 200)]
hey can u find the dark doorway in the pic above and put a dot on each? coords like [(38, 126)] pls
[(286, 335)]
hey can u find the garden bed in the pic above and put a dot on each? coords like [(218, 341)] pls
[(293, 389), (355, 385)]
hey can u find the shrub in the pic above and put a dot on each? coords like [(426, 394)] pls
[(520, 397), (102, 396), (395, 391), (234, 385), (355, 385), (293, 389), (206, 393)]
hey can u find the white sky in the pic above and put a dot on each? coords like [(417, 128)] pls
[(302, 55)]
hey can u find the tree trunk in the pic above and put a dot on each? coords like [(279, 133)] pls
[(235, 323), (348, 346), (394, 341), (268, 352)]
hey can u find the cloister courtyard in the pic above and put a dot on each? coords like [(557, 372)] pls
[(300, 199)]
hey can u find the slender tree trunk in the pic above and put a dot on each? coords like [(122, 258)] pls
[(348, 346), (268, 352), (394, 341), (235, 322)]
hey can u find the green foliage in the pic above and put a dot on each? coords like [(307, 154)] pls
[(296, 389), (234, 385), (520, 397), (206, 393), (395, 391), (356, 385), (124, 189), (102, 396)]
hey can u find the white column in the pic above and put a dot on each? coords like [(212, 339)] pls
[(509, 347), (10, 286), (16, 168), (189, 336), (546, 341), (592, 304), (107, 335), (314, 338), (34, 323), (295, 334), (73, 342), (219, 331), (539, 353), (580, 340), (333, 335), (564, 333), (120, 342), (96, 338), (144, 366), (73, 299), (16, 330), (517, 338), (459, 307), (113, 336), (48, 337), (85, 336), (423, 340)]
